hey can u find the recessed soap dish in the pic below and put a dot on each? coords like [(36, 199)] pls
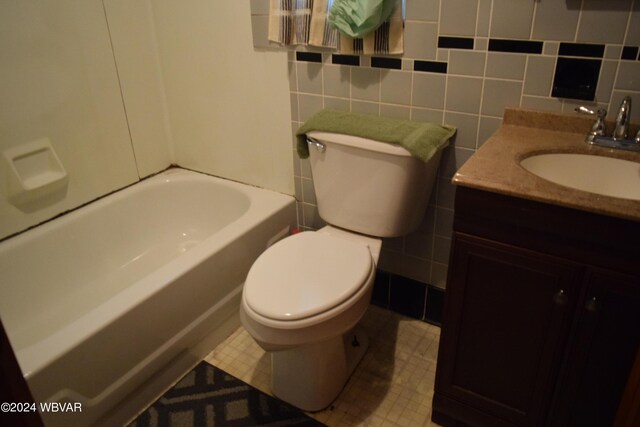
[(35, 172)]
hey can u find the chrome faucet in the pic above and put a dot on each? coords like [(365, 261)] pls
[(622, 121), (620, 137)]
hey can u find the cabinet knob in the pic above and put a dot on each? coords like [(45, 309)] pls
[(591, 305), (560, 297)]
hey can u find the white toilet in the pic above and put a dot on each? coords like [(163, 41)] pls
[(304, 296)]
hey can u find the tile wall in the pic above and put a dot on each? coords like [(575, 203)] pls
[(464, 61)]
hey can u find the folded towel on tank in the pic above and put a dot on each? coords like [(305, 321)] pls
[(421, 139)]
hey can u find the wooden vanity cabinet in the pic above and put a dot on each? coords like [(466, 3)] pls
[(542, 315), (601, 352)]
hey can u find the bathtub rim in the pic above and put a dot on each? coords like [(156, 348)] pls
[(31, 359)]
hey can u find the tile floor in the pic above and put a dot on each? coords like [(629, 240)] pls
[(392, 386)]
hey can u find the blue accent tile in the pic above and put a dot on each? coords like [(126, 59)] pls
[(455, 42), (581, 49), (576, 78), (391, 63), (308, 57), (430, 66), (515, 46), (380, 294), (629, 52), (435, 305), (407, 296), (345, 60)]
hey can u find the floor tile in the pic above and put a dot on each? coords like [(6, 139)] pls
[(392, 385)]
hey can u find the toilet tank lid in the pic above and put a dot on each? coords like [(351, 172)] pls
[(305, 275), (359, 142)]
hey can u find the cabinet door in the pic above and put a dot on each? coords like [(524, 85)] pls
[(507, 316), (602, 351)]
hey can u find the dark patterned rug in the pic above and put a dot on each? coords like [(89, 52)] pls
[(208, 396)]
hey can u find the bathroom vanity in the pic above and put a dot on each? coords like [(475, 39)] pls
[(542, 312)]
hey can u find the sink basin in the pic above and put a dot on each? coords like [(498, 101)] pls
[(596, 174)]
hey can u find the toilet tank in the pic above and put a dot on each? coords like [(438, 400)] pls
[(370, 187)]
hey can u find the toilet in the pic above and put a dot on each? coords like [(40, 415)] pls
[(304, 296)]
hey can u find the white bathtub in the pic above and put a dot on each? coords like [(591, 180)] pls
[(108, 304)]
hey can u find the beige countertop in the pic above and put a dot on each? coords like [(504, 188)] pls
[(496, 166)]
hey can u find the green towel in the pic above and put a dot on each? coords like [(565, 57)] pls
[(357, 18), (421, 139)]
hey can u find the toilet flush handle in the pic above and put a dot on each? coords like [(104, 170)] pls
[(319, 146)]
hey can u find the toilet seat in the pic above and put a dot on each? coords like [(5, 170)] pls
[(306, 275)]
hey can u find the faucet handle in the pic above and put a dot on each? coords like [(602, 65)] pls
[(598, 128)]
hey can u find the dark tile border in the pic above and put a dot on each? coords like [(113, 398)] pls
[(408, 297), (380, 294), (581, 49), (430, 66), (456, 42), (345, 59), (515, 46), (434, 305), (629, 52), (309, 57), (390, 63)]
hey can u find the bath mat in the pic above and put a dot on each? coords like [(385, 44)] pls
[(208, 396)]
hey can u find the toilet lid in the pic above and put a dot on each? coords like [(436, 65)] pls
[(306, 274)]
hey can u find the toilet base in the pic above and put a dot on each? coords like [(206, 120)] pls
[(312, 376)]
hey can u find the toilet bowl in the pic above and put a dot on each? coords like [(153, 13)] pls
[(302, 300)]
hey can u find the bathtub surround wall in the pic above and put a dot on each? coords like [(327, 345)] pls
[(464, 62), (58, 81), (137, 56), (228, 104), (124, 89)]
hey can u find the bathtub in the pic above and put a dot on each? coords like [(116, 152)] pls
[(107, 305)]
